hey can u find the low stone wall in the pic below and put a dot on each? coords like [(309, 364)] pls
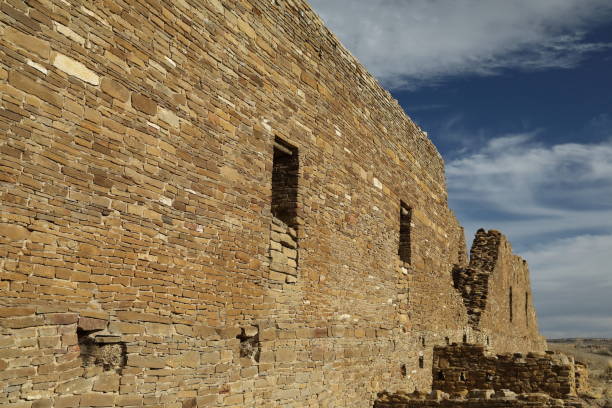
[(458, 368), (475, 399), (582, 377)]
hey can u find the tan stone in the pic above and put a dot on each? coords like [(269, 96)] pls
[(115, 89), (75, 68), (69, 401), (285, 355), (87, 250), (62, 318), (14, 232), (62, 29), (88, 324), (28, 42), (97, 400), (169, 117), (106, 383), (43, 237), (145, 361), (28, 85), (309, 79), (157, 329), (144, 104), (75, 386), (125, 328)]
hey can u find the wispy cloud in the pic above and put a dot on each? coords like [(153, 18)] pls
[(555, 204), (531, 190), (572, 280), (412, 43)]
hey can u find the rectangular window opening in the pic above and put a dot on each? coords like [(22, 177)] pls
[(285, 170), (404, 238), (527, 309)]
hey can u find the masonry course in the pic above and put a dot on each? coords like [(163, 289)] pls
[(201, 205)]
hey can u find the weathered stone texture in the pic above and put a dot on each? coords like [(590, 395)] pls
[(497, 294), (485, 398), (460, 368), (142, 262)]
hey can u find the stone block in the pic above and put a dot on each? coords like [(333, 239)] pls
[(14, 232), (68, 32), (106, 383), (88, 251), (16, 311), (68, 401), (144, 104), (169, 117), (125, 328), (115, 89), (43, 403), (89, 324), (75, 386), (28, 42), (62, 318), (210, 358), (284, 355), (22, 322), (97, 400), (145, 361), (75, 68), (43, 238), (158, 329)]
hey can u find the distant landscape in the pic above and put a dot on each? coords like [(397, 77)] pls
[(597, 354)]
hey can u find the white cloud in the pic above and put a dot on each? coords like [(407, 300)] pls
[(555, 205), (411, 43), (529, 190), (572, 282)]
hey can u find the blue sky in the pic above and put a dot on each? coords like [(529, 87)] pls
[(517, 96)]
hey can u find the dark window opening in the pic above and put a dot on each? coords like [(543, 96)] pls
[(403, 370), (488, 342), (447, 340), (285, 169), (462, 376), (249, 345), (404, 241), (527, 309), (465, 338), (510, 301), (104, 351), (440, 376), (421, 361), (423, 341)]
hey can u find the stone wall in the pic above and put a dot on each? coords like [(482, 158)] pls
[(142, 261), (497, 295), (475, 399), (467, 376), (460, 368)]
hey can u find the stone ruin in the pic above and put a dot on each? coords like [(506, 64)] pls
[(212, 203)]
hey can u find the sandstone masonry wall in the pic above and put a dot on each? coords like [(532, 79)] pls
[(475, 399), (142, 262), (497, 294), (467, 376), (460, 368)]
